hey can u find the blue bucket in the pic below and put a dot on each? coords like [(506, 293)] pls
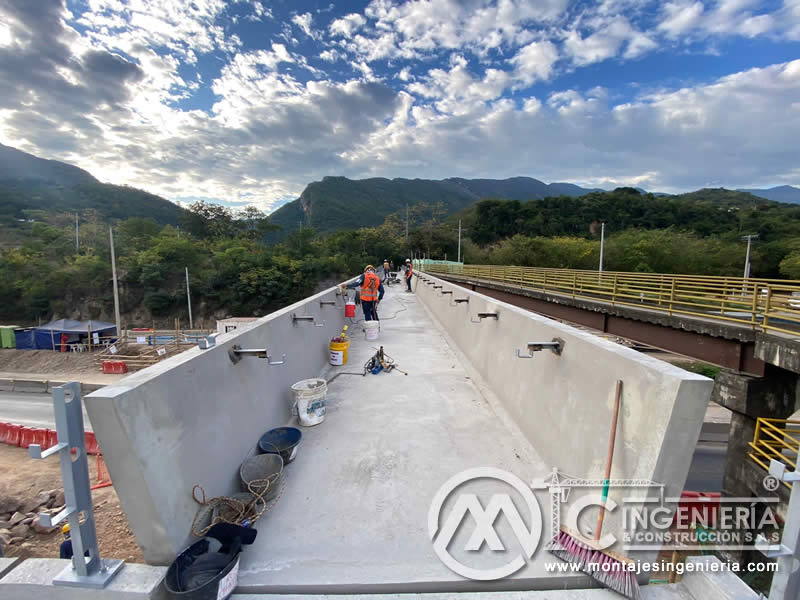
[(281, 440)]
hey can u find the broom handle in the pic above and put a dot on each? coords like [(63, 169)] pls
[(611, 441)]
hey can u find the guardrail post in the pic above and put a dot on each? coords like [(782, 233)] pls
[(671, 295), (614, 290), (574, 283), (660, 288), (765, 321), (754, 308)]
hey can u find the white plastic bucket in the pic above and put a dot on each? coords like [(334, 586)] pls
[(309, 401), (371, 328)]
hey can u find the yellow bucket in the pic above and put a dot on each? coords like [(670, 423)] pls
[(339, 352)]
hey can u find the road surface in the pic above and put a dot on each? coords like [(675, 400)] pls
[(31, 409)]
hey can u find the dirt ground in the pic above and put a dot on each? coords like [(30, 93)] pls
[(24, 477)]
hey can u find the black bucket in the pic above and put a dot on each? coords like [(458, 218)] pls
[(283, 441), (188, 579)]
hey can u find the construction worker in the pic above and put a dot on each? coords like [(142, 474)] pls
[(385, 269), (65, 551), (409, 273), (371, 290)]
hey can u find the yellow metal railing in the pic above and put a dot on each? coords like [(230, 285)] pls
[(777, 439), (762, 304)]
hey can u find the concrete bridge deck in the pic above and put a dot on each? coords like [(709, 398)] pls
[(354, 515), (354, 512)]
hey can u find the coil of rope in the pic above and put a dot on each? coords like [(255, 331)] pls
[(234, 510)]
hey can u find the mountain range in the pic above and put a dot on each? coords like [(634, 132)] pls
[(341, 203), (781, 193), (28, 182)]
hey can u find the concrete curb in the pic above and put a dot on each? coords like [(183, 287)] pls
[(41, 386), (6, 564)]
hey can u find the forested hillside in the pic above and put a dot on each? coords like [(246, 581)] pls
[(340, 203), (28, 183), (234, 271)]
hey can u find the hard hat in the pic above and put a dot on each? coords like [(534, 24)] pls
[(408, 260), (368, 267), (65, 529)]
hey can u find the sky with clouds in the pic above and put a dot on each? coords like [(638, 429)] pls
[(245, 102)]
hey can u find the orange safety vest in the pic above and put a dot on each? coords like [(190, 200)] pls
[(408, 271), (369, 289)]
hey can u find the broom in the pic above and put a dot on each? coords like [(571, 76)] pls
[(608, 568)]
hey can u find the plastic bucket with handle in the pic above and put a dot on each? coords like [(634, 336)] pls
[(339, 353), (350, 308), (371, 328), (309, 399)]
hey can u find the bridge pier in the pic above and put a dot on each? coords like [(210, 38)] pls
[(773, 396)]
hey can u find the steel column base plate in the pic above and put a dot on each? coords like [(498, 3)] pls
[(99, 580)]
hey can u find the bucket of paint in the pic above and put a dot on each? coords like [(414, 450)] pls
[(350, 308), (338, 349), (203, 572), (283, 441), (371, 328), (309, 399), (261, 475)]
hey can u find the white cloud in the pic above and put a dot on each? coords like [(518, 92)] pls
[(680, 17), (534, 62), (347, 25), (304, 23), (606, 43)]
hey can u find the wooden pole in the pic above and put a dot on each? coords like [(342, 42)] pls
[(612, 438), (53, 340), (89, 341)]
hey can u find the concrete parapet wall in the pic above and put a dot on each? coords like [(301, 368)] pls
[(564, 404), (194, 417)]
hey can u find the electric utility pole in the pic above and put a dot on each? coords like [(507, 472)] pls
[(114, 275), (459, 240), (406, 223), (749, 239), (189, 299), (602, 243), (77, 239)]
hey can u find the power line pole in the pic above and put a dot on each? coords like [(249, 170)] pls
[(114, 275), (749, 239), (602, 244), (77, 239), (189, 299), (406, 222), (459, 240)]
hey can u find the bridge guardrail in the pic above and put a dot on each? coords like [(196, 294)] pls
[(762, 304), (777, 439)]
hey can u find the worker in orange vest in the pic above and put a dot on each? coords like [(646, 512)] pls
[(409, 273), (371, 290)]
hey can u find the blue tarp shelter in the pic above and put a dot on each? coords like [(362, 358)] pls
[(24, 339), (46, 335)]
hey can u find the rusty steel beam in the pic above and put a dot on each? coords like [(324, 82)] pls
[(734, 354)]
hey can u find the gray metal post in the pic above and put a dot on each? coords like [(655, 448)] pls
[(87, 569), (114, 276), (459, 240), (189, 299), (602, 243)]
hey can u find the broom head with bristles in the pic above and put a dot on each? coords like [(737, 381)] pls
[(609, 569)]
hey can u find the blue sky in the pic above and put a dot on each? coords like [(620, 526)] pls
[(246, 102)]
